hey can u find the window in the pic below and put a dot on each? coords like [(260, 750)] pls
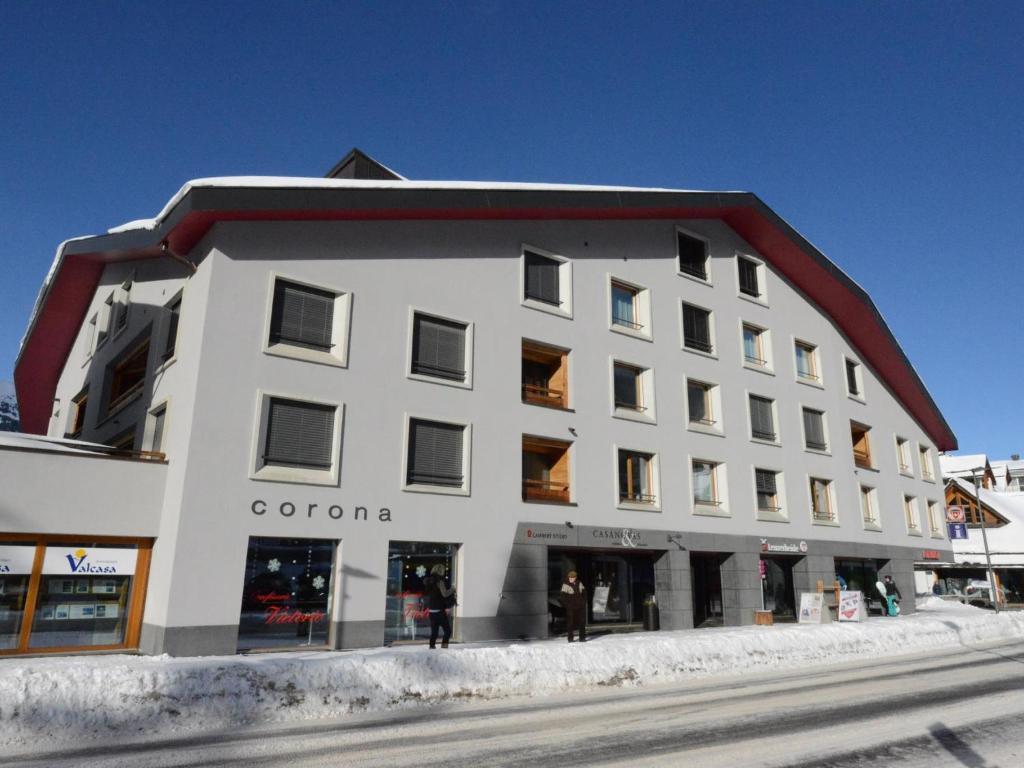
[(935, 519), (821, 501), (766, 487), (436, 454), (545, 373), (409, 564), (853, 379), (762, 418), (636, 478), (806, 362), (868, 508), (749, 283), (128, 375), (121, 309), (299, 434), (157, 419), (700, 401), (91, 331), (755, 345), (547, 281), (302, 316), (439, 348), (629, 390), (78, 409), (693, 255), (173, 310), (545, 469), (925, 456), (903, 455), (697, 328), (106, 320), (124, 441), (814, 430), (630, 309), (910, 513), (861, 445), (706, 484)]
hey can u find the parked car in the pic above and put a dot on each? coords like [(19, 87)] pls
[(979, 593)]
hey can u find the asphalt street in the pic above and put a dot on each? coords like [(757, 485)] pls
[(962, 707)]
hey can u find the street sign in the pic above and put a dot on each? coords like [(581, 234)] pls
[(955, 514), (957, 530)]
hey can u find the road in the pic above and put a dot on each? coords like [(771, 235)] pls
[(961, 708)]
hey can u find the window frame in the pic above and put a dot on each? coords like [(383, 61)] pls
[(564, 403), (761, 275), (777, 438), (654, 479), (564, 308), (707, 278), (905, 468), (467, 452), (832, 518), (467, 382), (163, 406), (299, 475), (712, 341), (924, 459), (935, 522), (551, 444), (80, 406), (912, 515), (123, 299), (858, 376), (762, 337), (815, 379), (866, 430), (869, 493), (641, 309), (645, 412), (717, 506), (712, 396), (826, 449), (166, 326), (779, 513), (113, 371), (341, 324)]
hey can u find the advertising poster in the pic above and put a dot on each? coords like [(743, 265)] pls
[(851, 606)]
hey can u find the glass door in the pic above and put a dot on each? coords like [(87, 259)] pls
[(609, 590)]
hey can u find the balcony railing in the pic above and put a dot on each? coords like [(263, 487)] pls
[(823, 516), (627, 322), (540, 395), (544, 490), (862, 458), (637, 498)]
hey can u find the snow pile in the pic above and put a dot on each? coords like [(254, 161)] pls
[(50, 700)]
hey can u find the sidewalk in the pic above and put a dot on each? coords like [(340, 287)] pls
[(100, 697)]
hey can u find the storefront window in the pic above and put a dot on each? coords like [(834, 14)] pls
[(84, 592), (286, 595), (409, 563), (15, 571), (778, 587)]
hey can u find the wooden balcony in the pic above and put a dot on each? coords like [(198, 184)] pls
[(540, 395), (545, 490)]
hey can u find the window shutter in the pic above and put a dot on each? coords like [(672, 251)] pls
[(765, 481), (748, 277), (303, 316), (693, 256), (695, 328), (814, 429), (439, 348), (435, 453), (299, 434), (542, 278), (761, 418)]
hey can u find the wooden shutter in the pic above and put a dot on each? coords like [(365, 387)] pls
[(438, 348), (299, 434), (542, 278), (761, 423), (435, 453), (814, 429), (302, 316)]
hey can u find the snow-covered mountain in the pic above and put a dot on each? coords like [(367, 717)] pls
[(9, 421)]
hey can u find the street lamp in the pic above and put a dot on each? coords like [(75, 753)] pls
[(984, 537)]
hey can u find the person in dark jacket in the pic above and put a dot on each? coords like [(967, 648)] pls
[(439, 597), (892, 593), (574, 600)]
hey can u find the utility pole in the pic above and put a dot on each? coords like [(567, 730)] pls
[(984, 538)]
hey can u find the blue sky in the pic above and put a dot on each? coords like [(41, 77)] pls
[(889, 134)]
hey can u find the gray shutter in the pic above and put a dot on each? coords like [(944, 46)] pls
[(761, 418), (542, 278), (693, 256), (765, 481), (439, 348), (435, 453), (299, 434), (748, 277), (696, 331), (303, 316), (814, 429)]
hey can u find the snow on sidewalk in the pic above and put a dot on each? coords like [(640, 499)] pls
[(53, 700)]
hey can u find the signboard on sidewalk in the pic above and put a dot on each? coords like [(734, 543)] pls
[(955, 514), (851, 606), (957, 530), (812, 609)]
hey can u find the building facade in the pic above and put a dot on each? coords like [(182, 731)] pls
[(344, 382)]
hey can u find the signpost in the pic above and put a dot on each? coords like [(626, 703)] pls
[(957, 530), (955, 514)]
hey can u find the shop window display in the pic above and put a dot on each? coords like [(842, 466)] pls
[(409, 563), (15, 571), (286, 598)]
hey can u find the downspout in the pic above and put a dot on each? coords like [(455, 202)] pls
[(165, 249)]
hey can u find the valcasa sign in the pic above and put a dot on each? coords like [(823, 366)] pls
[(260, 507)]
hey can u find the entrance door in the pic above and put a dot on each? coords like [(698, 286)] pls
[(610, 596), (778, 587), (707, 589)]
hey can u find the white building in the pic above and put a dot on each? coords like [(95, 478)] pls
[(345, 381)]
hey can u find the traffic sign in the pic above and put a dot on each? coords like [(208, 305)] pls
[(955, 514), (957, 530)]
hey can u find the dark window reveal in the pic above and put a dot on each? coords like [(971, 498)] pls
[(693, 256), (851, 378), (435, 454), (748, 277), (438, 348), (299, 434), (128, 375), (696, 328), (171, 343), (762, 422), (302, 316), (542, 278)]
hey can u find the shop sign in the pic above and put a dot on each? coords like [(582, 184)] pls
[(955, 514), (851, 606), (260, 507), (762, 567), (812, 609), (546, 535), (957, 530), (618, 537), (931, 554), (784, 547), (82, 561), (16, 560)]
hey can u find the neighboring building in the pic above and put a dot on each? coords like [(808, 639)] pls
[(339, 383)]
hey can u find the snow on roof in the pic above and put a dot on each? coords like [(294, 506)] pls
[(957, 465), (1007, 538)]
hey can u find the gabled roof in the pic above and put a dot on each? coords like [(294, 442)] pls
[(65, 296), (961, 466)]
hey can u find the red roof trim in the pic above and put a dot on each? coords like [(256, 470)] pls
[(50, 341)]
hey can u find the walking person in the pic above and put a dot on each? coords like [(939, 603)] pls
[(574, 600), (892, 596), (439, 599)]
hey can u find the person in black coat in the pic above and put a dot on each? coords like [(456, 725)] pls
[(574, 600), (439, 597), (892, 591)]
